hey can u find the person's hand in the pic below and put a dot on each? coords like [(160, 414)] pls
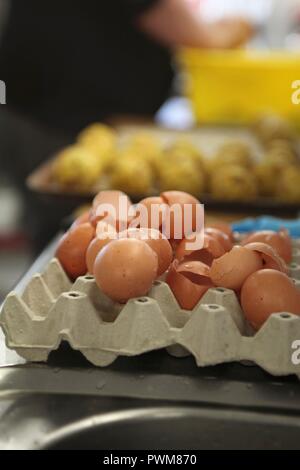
[(228, 34), (174, 24)]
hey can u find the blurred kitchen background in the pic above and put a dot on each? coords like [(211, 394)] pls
[(277, 24)]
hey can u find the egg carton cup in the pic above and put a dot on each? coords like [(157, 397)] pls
[(52, 309)]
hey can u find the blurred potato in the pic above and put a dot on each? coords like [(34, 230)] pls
[(266, 174), (272, 127), (288, 188), (233, 183), (182, 150), (281, 145), (280, 157), (144, 165), (100, 140), (147, 147), (233, 153), (182, 176), (77, 167), (131, 174)]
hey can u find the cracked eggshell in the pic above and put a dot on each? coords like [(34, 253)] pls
[(151, 206), (211, 249), (223, 227), (183, 200), (270, 257), (186, 292), (232, 269), (221, 237), (195, 271), (280, 241), (119, 202)]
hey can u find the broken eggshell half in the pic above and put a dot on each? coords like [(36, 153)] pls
[(189, 281)]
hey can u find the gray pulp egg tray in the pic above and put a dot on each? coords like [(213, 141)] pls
[(52, 309)]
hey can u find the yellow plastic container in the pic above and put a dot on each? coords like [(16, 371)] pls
[(239, 86)]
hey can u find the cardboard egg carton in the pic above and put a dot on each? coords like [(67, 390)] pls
[(52, 310)]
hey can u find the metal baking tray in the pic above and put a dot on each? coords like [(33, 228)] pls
[(207, 138)]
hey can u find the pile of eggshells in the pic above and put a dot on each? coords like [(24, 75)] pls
[(126, 264)]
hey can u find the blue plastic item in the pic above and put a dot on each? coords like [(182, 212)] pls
[(268, 223)]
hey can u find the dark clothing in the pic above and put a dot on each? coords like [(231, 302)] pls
[(67, 63)]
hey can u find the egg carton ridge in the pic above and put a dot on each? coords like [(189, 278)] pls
[(52, 310)]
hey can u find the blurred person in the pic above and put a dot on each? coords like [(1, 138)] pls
[(67, 63)]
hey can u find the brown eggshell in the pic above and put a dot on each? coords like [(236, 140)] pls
[(266, 292), (104, 230), (223, 227), (221, 237), (181, 198), (110, 197), (113, 198), (93, 249), (212, 249), (152, 206), (280, 241), (187, 293), (270, 258), (82, 219), (233, 268), (174, 197), (157, 242), (174, 244), (72, 248), (195, 271), (125, 269)]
